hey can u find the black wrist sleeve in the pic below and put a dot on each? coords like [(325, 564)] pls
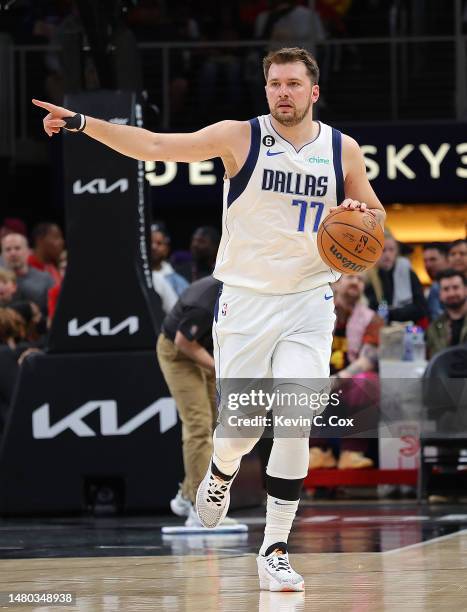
[(77, 122)]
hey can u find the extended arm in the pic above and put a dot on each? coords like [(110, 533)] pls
[(212, 141)]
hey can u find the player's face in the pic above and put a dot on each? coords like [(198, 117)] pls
[(290, 93), (452, 292)]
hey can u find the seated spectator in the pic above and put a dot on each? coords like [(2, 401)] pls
[(168, 284), (204, 245), (54, 292), (354, 355), (450, 328), (457, 256), (8, 371), (48, 245), (32, 283), (288, 22), (435, 259), (393, 281), (11, 225), (34, 322), (8, 287), (8, 327)]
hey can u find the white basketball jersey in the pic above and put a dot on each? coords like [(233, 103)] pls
[(273, 208)]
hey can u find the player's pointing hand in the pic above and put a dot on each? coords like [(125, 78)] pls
[(53, 122)]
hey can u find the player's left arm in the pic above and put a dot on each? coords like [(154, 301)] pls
[(359, 194)]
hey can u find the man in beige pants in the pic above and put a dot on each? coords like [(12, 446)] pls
[(184, 350)]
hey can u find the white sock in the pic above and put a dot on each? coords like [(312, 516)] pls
[(226, 467), (280, 514)]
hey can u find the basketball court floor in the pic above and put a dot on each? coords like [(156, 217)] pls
[(355, 557)]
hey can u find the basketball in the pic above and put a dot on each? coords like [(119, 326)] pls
[(350, 241)]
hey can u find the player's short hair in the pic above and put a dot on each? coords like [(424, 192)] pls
[(287, 55), (450, 274)]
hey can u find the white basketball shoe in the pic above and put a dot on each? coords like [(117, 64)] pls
[(275, 573), (213, 497), (180, 505)]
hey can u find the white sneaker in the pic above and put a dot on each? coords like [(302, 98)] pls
[(180, 505), (193, 520), (213, 499), (275, 573)]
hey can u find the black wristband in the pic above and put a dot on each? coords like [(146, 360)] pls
[(77, 122)]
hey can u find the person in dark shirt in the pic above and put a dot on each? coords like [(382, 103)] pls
[(394, 282), (204, 245), (184, 350), (450, 329)]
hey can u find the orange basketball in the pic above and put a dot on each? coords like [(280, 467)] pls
[(350, 241)]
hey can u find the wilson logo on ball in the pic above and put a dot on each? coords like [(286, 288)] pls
[(346, 262)]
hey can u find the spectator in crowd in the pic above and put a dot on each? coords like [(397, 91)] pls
[(54, 292), (220, 73), (289, 22), (48, 245), (32, 283), (393, 281), (457, 256), (354, 356), (436, 260), (11, 225), (8, 361), (9, 331), (34, 322), (8, 372), (14, 348), (204, 245), (449, 329), (168, 284), (185, 29), (8, 287), (184, 351)]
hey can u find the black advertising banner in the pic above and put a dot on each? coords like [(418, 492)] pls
[(78, 422), (107, 300), (410, 163)]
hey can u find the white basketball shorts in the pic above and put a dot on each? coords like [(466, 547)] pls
[(273, 336)]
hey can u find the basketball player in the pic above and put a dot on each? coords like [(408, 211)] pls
[(284, 172)]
